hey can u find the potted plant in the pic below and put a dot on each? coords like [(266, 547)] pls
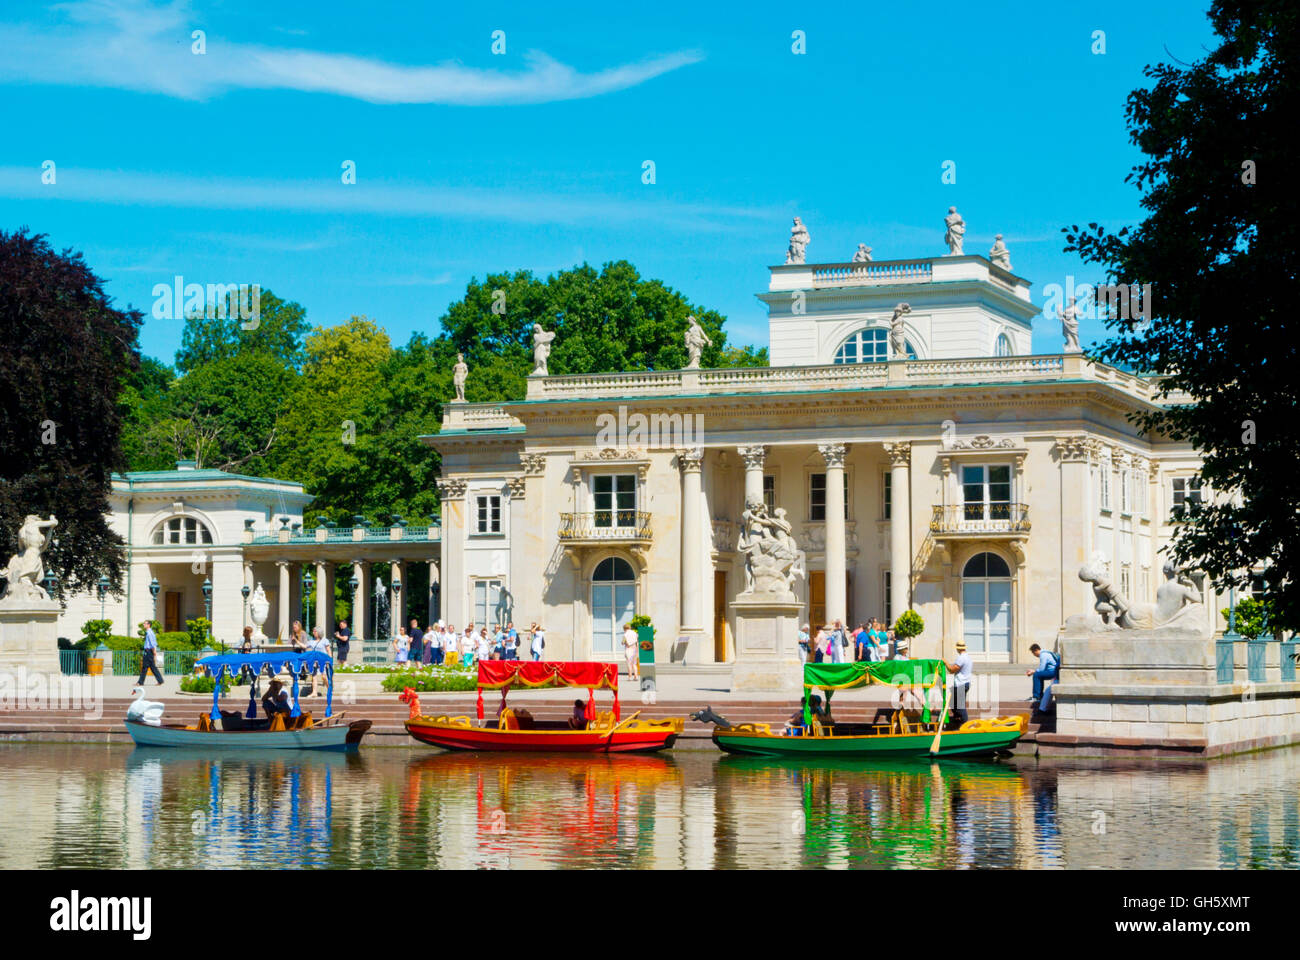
[(908, 625)]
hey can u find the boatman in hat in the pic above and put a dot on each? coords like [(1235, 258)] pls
[(962, 671)]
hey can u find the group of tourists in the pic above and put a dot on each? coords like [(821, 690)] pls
[(833, 643), (440, 643)]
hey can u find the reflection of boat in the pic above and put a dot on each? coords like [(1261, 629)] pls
[(179, 757), (231, 730), (517, 730), (904, 734)]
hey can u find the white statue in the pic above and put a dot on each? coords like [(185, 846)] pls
[(1178, 602), (897, 335), (541, 349), (1069, 318), (799, 239), (259, 608), (696, 341), (955, 233), (999, 254), (26, 568), (863, 254), (458, 375), (772, 558)]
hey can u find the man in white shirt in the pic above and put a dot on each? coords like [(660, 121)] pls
[(484, 651), (433, 636), (539, 641), (963, 672)]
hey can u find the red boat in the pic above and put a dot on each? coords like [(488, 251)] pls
[(515, 729)]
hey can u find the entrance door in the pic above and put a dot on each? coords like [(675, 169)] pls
[(172, 611), (816, 599), (613, 603), (720, 616), (986, 607)]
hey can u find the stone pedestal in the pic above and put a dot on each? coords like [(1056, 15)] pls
[(29, 636), (767, 651)]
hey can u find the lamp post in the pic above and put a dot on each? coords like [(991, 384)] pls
[(102, 588), (52, 583), (306, 589), (153, 592), (1225, 646), (395, 618), (207, 611), (244, 592), (353, 583)]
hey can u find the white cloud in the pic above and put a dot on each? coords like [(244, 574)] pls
[(136, 45)]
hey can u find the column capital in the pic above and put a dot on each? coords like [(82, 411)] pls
[(833, 453), (1073, 449), (451, 488), (691, 459), (282, 563), (534, 463), (900, 454), (516, 486), (753, 456)]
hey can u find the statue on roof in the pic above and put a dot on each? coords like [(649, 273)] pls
[(458, 375), (799, 239), (541, 349), (863, 254), (897, 335), (955, 232), (999, 255), (1069, 318), (696, 341)]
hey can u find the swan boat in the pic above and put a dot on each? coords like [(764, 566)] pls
[(232, 730), (904, 734), (516, 730)]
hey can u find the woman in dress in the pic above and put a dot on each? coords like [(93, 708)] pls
[(402, 644), (631, 646)]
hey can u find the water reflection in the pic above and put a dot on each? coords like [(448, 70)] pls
[(97, 806)]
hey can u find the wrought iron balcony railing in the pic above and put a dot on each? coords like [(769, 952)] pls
[(980, 519), (605, 525)]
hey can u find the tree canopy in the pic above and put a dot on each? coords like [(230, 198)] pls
[(1219, 246)]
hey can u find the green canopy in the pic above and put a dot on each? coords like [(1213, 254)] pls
[(842, 676)]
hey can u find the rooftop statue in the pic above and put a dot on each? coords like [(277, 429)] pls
[(26, 568), (541, 349), (1069, 318), (955, 232), (696, 341), (458, 375), (897, 335), (863, 254), (799, 239), (999, 254)]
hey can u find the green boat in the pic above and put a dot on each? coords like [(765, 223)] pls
[(910, 731)]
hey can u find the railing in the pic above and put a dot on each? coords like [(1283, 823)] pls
[(616, 384), (826, 376), (335, 534), (985, 368), (73, 662), (605, 525), (980, 518), (855, 274)]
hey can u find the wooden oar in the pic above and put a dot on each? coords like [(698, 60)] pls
[(943, 716), (609, 736)]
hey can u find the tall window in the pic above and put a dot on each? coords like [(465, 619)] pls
[(1105, 484), (487, 602), (889, 599), (986, 606), (613, 602), (182, 530), (1126, 491), (769, 492), (1186, 496), (1125, 580), (487, 517), (817, 496), (614, 497), (886, 493), (1139, 493), (1002, 348), (868, 346), (986, 492)]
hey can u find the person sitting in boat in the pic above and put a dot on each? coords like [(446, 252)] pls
[(579, 719), (821, 712), (794, 726), (276, 699)]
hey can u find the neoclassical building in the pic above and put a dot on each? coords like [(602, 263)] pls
[(950, 471)]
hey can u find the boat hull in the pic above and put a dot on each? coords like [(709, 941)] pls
[(335, 737), (456, 737), (900, 746)]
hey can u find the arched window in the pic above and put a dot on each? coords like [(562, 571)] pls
[(986, 606), (1003, 346), (613, 602), (868, 346), (182, 530)]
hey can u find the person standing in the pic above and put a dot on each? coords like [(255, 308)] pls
[(467, 645), (318, 645), (484, 645), (402, 645), (835, 638), (148, 658), (803, 641), (343, 637), (539, 641), (963, 671), (631, 649), (416, 636)]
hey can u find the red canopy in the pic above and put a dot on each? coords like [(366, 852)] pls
[(494, 674)]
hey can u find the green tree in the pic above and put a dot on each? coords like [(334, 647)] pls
[(277, 330), (66, 349), (143, 402), (1220, 250)]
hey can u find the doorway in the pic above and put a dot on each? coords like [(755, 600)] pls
[(172, 611), (720, 616)]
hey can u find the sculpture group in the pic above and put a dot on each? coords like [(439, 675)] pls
[(1178, 601), (26, 568), (772, 557)]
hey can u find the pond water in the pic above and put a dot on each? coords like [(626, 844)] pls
[(97, 806)]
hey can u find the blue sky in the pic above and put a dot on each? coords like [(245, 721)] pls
[(226, 167)]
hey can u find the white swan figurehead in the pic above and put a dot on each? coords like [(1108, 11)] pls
[(145, 711)]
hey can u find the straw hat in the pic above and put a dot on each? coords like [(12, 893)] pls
[(961, 645), (901, 645)]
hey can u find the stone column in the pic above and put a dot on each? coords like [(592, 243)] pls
[(1072, 454), (324, 599), (455, 603), (837, 601), (361, 571), (754, 458), (283, 623), (900, 528), (691, 633)]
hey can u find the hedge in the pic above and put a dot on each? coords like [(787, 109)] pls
[(430, 682)]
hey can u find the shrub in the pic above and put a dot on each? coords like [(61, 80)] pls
[(423, 681), (203, 684), (1252, 616), (640, 620), (908, 625), (95, 632)]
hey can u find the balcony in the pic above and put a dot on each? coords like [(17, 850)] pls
[(605, 526), (980, 521)]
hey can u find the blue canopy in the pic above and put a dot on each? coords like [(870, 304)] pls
[(316, 662)]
